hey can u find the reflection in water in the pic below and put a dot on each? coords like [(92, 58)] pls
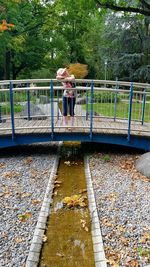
[(68, 244)]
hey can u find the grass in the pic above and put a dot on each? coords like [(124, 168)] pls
[(107, 109), (5, 109)]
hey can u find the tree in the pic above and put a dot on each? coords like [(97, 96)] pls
[(136, 6)]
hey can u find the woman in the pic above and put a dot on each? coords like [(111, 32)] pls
[(69, 94)]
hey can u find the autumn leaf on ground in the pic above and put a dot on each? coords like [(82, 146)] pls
[(84, 225), (7, 194), (67, 163), (75, 201), (44, 238), (28, 160), (57, 182), (145, 238), (55, 193), (24, 217), (2, 165), (106, 222), (82, 191), (113, 258), (18, 240), (25, 194), (10, 174), (34, 173), (131, 263), (35, 201)]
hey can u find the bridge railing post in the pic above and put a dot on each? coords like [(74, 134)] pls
[(143, 106), (87, 99), (130, 111), (52, 108), (28, 102), (115, 100), (12, 110), (57, 104), (91, 110)]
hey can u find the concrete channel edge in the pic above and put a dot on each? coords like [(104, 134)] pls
[(99, 255), (37, 240)]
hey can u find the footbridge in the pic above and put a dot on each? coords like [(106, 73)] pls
[(112, 112)]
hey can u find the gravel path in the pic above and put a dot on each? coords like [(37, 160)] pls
[(123, 201), (122, 196), (24, 173)]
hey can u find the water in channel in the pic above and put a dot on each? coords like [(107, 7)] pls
[(68, 236)]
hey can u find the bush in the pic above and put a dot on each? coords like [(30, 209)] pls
[(106, 97), (5, 109)]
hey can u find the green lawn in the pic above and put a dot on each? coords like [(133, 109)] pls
[(107, 109)]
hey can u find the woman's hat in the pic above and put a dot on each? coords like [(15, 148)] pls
[(61, 71)]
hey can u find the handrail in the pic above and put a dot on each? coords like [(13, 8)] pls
[(108, 82)]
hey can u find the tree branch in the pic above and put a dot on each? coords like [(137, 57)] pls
[(144, 3), (125, 9)]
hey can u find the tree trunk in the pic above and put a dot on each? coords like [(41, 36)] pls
[(7, 65)]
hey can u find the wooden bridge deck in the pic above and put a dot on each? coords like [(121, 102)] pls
[(99, 125)]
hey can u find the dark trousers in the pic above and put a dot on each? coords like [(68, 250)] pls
[(68, 105)]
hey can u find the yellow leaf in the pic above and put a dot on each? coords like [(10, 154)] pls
[(67, 163), (44, 238), (35, 201)]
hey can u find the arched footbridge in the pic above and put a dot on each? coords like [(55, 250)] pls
[(112, 112)]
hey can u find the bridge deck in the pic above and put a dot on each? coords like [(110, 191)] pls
[(100, 125)]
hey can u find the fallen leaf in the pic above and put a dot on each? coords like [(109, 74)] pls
[(75, 201), (44, 238), (34, 173), (18, 240), (35, 201), (67, 163), (57, 182), (25, 194), (84, 225), (82, 191), (28, 160), (2, 165), (24, 217)]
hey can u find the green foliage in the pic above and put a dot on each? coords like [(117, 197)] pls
[(106, 158), (105, 97), (51, 34), (5, 109)]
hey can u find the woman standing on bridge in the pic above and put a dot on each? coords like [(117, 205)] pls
[(69, 95)]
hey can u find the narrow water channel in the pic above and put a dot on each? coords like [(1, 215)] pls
[(68, 236)]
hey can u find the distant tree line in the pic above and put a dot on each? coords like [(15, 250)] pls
[(37, 37)]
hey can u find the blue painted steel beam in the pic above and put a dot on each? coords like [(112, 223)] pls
[(139, 142), (130, 112), (52, 108), (12, 110), (28, 101), (143, 106), (91, 110)]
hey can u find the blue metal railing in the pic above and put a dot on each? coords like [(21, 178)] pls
[(92, 109), (12, 110), (143, 106), (52, 108), (130, 111)]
